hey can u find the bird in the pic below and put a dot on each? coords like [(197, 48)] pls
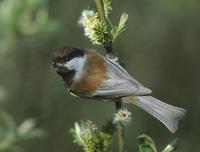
[(88, 74)]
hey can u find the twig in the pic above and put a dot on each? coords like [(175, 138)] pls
[(100, 9), (109, 50), (120, 128)]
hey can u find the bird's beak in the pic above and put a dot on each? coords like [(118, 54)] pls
[(54, 65), (57, 65), (60, 68)]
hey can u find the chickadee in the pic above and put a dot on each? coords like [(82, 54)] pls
[(90, 75)]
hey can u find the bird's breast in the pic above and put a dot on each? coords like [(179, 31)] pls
[(95, 73)]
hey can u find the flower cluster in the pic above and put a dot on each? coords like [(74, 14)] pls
[(123, 116), (90, 137), (94, 29)]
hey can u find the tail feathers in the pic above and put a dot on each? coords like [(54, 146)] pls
[(169, 115)]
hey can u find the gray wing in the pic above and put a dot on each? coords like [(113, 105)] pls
[(120, 83)]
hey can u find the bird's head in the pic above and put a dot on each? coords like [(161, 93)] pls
[(69, 63)]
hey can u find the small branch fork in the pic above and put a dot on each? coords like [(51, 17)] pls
[(109, 50)]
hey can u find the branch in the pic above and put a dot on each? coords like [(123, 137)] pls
[(120, 128)]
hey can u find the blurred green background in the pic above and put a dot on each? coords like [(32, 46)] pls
[(160, 48)]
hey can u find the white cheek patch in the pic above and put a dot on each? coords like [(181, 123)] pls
[(77, 64)]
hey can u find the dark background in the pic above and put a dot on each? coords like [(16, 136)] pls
[(160, 48)]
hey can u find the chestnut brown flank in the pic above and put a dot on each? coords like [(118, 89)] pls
[(95, 72)]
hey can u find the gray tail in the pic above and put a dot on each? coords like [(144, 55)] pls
[(169, 115)]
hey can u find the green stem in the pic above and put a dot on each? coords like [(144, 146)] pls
[(100, 9)]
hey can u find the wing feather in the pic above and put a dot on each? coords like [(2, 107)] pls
[(119, 83)]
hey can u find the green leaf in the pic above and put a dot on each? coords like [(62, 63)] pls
[(171, 146), (146, 144), (26, 126), (10, 13), (7, 130), (76, 133), (116, 31), (27, 130)]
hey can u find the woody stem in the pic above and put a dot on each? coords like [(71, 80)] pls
[(120, 128)]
